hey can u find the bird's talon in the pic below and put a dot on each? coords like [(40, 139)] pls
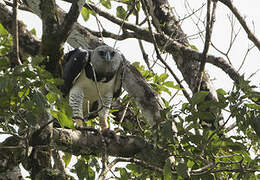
[(78, 124)]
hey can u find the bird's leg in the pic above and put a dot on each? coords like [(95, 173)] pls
[(76, 98), (103, 115)]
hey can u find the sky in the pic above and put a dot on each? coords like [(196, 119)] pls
[(220, 37)]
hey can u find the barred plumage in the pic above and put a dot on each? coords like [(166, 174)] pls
[(92, 78)]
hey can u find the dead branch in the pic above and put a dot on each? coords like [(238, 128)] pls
[(242, 21), (209, 28)]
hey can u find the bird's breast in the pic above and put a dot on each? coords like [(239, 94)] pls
[(93, 91)]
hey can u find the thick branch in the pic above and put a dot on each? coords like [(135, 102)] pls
[(70, 18), (147, 99), (172, 47), (242, 21), (80, 37), (13, 151), (78, 142), (28, 43), (52, 45)]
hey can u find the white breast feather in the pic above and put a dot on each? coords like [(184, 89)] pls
[(90, 90)]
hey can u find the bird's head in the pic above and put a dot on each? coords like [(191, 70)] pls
[(106, 59)]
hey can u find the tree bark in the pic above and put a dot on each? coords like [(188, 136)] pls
[(85, 143)]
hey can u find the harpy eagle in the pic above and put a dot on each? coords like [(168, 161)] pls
[(92, 78)]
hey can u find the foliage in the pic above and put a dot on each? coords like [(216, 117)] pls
[(22, 98), (193, 147)]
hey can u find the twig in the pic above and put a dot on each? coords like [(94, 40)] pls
[(231, 127), (106, 33), (97, 88), (192, 13), (136, 161), (20, 6), (209, 28), (124, 112), (16, 58), (145, 55), (244, 59), (163, 61), (188, 7), (125, 18), (242, 21), (12, 147)]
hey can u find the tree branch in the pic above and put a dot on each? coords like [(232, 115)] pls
[(85, 143), (178, 50), (243, 23), (28, 43), (172, 46), (70, 18), (159, 55), (209, 28), (16, 55)]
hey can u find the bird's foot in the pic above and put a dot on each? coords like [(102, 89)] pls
[(106, 132), (78, 124)]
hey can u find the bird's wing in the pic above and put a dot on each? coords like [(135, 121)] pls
[(74, 61), (118, 81)]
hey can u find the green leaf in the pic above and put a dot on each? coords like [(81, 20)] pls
[(182, 169), (165, 89), (33, 31), (235, 146), (193, 47), (207, 177), (170, 84), (3, 31), (84, 171), (221, 91), (121, 12), (123, 173), (255, 123), (106, 3), (66, 158), (199, 97), (25, 92), (85, 13), (253, 106), (167, 174), (132, 167), (138, 6), (190, 164), (162, 77), (167, 129), (91, 174), (63, 119), (51, 97), (39, 100)]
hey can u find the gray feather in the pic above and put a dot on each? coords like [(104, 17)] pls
[(105, 66)]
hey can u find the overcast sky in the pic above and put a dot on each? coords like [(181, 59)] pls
[(220, 37)]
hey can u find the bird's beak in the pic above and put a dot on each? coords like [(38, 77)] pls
[(108, 56)]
